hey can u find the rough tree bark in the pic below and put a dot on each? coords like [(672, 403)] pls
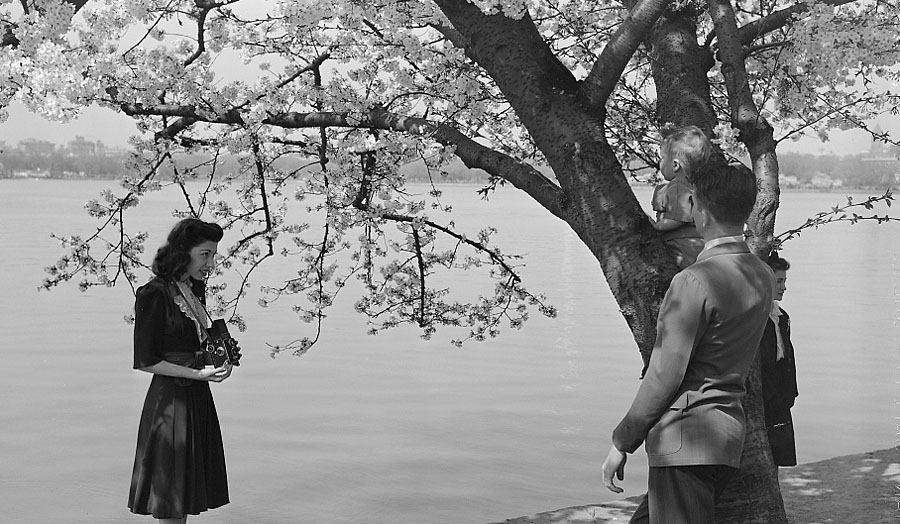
[(598, 204), (755, 496), (565, 118), (566, 125)]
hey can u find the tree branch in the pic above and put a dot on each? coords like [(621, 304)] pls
[(201, 38), (266, 231), (842, 110), (473, 154), (841, 214), (421, 263), (777, 19), (606, 71), (81, 258), (755, 131)]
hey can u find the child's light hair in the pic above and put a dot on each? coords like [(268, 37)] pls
[(689, 144)]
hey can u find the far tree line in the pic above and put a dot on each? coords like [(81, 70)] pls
[(559, 100), (876, 169)]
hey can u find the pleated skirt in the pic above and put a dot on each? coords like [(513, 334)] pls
[(179, 464)]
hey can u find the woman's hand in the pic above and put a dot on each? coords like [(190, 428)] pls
[(211, 374), (208, 374)]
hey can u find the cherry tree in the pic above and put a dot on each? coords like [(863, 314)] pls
[(325, 101)]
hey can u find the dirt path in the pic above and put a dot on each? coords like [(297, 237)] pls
[(854, 489)]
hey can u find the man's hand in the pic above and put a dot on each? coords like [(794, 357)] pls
[(614, 465)]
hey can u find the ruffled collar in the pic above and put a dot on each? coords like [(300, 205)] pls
[(192, 308)]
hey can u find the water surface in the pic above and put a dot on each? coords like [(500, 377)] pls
[(391, 428)]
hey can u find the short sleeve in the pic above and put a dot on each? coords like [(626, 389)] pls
[(149, 325), (657, 202), (677, 202)]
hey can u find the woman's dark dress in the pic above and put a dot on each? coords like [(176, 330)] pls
[(179, 465), (779, 387)]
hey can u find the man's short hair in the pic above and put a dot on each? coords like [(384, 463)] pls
[(689, 144), (728, 191)]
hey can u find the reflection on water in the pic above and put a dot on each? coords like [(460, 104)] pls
[(391, 428)]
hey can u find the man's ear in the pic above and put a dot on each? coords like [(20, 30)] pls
[(698, 213), (676, 165)]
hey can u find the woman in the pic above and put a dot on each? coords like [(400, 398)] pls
[(779, 372), (179, 465)]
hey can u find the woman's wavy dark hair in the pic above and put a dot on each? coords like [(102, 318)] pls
[(777, 263), (172, 260)]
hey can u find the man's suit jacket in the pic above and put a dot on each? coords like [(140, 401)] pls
[(688, 406)]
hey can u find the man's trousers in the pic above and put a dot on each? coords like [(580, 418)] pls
[(682, 494)]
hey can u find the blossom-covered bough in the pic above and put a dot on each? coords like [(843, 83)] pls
[(325, 101)]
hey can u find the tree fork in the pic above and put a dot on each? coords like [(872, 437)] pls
[(753, 496), (566, 128)]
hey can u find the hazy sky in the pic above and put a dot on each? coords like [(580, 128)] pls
[(93, 124), (114, 129)]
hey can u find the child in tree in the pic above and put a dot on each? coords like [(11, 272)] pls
[(683, 151)]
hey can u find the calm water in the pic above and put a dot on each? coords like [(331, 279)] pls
[(390, 428)]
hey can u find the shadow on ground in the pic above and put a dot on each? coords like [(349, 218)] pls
[(854, 489), (616, 511)]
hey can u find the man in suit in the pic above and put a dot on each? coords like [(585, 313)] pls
[(687, 409)]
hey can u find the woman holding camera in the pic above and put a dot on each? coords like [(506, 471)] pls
[(179, 465)]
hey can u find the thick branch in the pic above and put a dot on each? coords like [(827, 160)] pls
[(680, 70), (743, 110), (515, 55), (421, 263), (776, 20), (473, 154), (618, 51), (201, 37), (755, 131), (521, 175)]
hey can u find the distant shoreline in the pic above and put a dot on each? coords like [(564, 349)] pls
[(793, 189)]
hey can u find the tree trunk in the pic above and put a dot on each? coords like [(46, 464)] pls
[(753, 496), (600, 207), (679, 70), (598, 203)]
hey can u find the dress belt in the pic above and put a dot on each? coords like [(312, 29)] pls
[(195, 360)]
